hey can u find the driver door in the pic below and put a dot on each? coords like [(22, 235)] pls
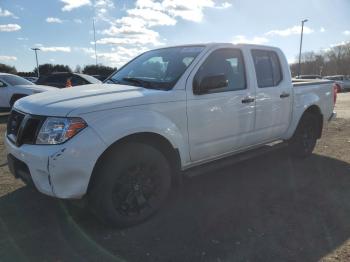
[(221, 120)]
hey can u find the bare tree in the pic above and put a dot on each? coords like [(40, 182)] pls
[(334, 61)]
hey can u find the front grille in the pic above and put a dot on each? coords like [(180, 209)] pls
[(23, 128)]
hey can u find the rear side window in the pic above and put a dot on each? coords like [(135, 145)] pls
[(267, 67)]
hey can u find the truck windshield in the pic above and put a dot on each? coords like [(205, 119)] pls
[(157, 69)]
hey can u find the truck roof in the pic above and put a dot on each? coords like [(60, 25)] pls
[(214, 44)]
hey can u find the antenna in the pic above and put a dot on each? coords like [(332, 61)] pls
[(93, 25)]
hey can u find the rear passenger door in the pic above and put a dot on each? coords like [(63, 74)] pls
[(221, 120), (273, 95)]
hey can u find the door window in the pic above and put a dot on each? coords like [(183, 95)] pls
[(228, 62)]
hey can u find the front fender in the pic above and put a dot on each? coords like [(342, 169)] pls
[(113, 125)]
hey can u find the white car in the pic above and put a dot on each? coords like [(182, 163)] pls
[(123, 144), (342, 81), (14, 87)]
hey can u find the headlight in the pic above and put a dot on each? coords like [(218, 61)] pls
[(57, 130)]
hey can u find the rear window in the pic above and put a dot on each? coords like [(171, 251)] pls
[(267, 67), (90, 79)]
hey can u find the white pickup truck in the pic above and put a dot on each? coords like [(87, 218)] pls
[(124, 143)]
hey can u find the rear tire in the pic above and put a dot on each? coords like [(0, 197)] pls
[(304, 140), (131, 184)]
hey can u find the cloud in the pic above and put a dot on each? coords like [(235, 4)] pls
[(54, 20), (6, 58), (78, 21), (86, 50), (116, 56), (185, 9), (295, 30), (102, 9), (9, 28), (322, 30), (138, 39), (65, 49), (346, 32), (224, 5), (69, 5), (120, 55), (242, 39), (135, 28), (152, 17), (342, 43), (22, 38), (6, 13)]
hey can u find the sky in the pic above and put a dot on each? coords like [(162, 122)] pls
[(63, 29)]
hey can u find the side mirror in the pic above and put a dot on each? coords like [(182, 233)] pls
[(2, 84), (210, 83)]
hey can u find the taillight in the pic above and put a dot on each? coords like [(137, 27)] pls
[(336, 87)]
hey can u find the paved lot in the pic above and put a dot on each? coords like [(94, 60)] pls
[(271, 208)]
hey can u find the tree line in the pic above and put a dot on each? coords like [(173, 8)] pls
[(333, 61), (46, 69)]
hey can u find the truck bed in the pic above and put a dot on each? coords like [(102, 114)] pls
[(305, 82)]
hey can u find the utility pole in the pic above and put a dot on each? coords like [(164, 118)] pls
[(301, 44), (93, 25), (36, 49)]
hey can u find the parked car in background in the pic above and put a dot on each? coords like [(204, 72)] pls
[(14, 87), (309, 77), (342, 80), (32, 79), (101, 77), (124, 143), (66, 79)]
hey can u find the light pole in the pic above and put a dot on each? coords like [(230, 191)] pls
[(301, 44), (36, 49)]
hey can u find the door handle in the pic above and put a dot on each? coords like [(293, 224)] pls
[(248, 100), (284, 95)]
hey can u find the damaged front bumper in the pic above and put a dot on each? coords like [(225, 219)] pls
[(61, 171)]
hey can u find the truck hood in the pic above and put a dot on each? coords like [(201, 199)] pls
[(88, 98)]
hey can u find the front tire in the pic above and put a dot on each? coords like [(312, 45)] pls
[(131, 184), (304, 140)]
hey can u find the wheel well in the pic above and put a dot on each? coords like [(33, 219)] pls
[(315, 110), (152, 139), (15, 97)]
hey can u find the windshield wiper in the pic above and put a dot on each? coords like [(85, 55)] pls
[(143, 83), (112, 80)]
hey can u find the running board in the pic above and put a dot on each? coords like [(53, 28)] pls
[(228, 161)]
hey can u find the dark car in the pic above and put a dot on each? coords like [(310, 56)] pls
[(62, 80)]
